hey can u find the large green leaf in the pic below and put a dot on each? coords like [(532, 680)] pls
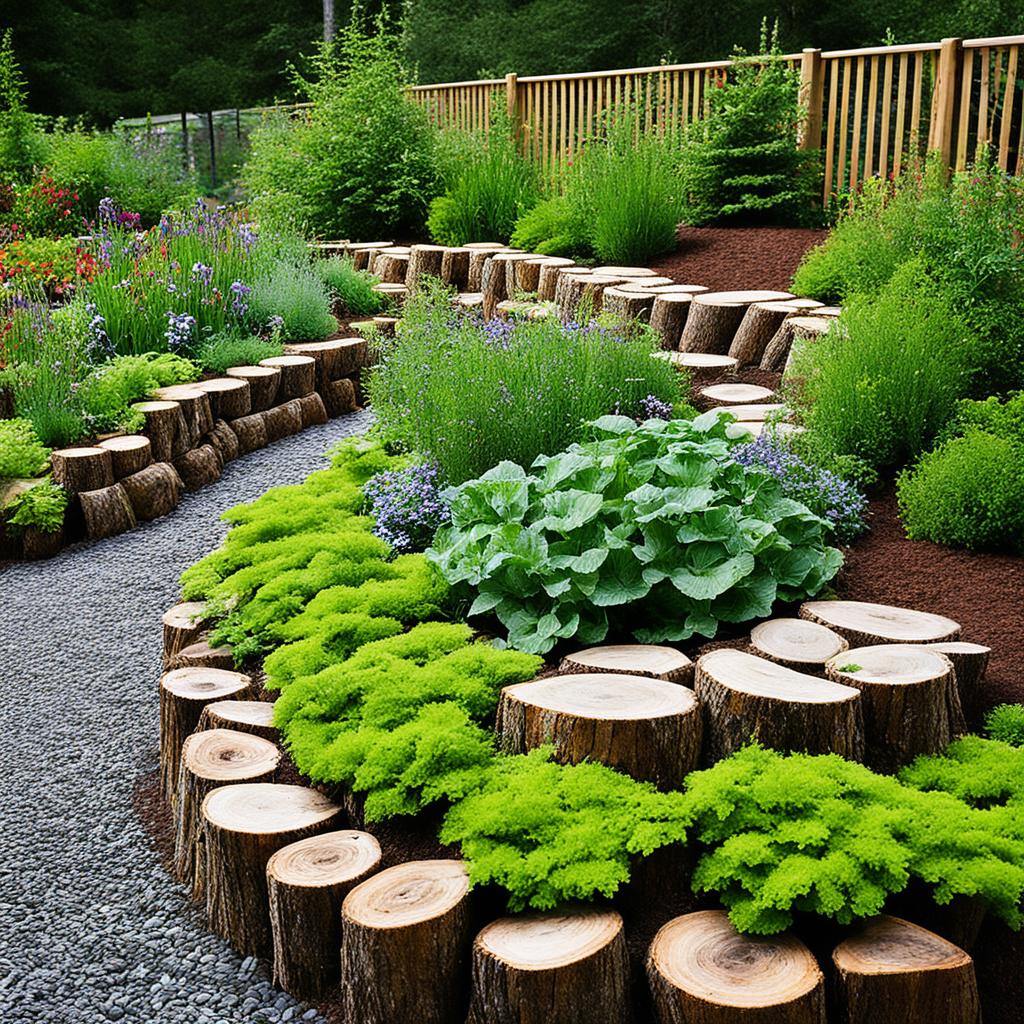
[(705, 582), (621, 580)]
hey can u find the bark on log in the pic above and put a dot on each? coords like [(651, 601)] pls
[(648, 728), (229, 397), (711, 324), (580, 295), (164, 425), (153, 491), (527, 274), (650, 660), (82, 469), (244, 825), (374, 256), (312, 409), (196, 416), (386, 325), (627, 306), (391, 267), (405, 943), (306, 883), (759, 325), (805, 331), (865, 624), (212, 758), (37, 544), (335, 358), (894, 972), (547, 278), (298, 375), (199, 467), (909, 700), (424, 260), (702, 971), (361, 251), (455, 267), (478, 259), (107, 512), (263, 381), (559, 968), (128, 453), (201, 655), (669, 313), (796, 643), (701, 366), (255, 716), (183, 694), (969, 664), (283, 420), (492, 286), (251, 432), (339, 397), (224, 439), (512, 261), (183, 623), (746, 697)]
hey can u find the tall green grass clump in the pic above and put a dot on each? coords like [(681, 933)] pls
[(292, 301), (219, 352), (352, 288)]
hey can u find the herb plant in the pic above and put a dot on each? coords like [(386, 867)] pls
[(406, 506), (292, 300), (1005, 723), (219, 352), (22, 454), (352, 288), (40, 507)]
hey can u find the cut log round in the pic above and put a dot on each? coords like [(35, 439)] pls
[(312, 409), (196, 414), (229, 397), (702, 366), (339, 397), (796, 643), (212, 758), (335, 358), (391, 267), (478, 259), (183, 623), (393, 294), (679, 289), (969, 664), (755, 413), (669, 313), (164, 424), (737, 394), (386, 325), (757, 328), (224, 439), (626, 305), (648, 728), (805, 330), (493, 286), (129, 453), (424, 261), (153, 491), (714, 319), (244, 825), (361, 251), (632, 272), (547, 279), (485, 245), (650, 660), (512, 310), (468, 300), (306, 883), (895, 972), (199, 466), (263, 384), (455, 267), (374, 255), (298, 375), (865, 624), (183, 694), (702, 971), (255, 716), (829, 311), (283, 420), (107, 512), (251, 432), (405, 940), (559, 968), (201, 655), (746, 697), (582, 294), (82, 469), (909, 700)]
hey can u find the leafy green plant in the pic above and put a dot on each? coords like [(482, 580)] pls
[(293, 300), (219, 352), (22, 454), (352, 288), (469, 394), (992, 416), (21, 140), (40, 507), (987, 774), (550, 228), (1005, 723), (652, 529)]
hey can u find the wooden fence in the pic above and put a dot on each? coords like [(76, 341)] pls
[(871, 111)]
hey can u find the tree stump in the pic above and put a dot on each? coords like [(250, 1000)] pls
[(527, 273), (512, 310), (865, 624), (283, 420), (183, 624), (702, 971), (164, 424), (834, 312), (511, 260), (909, 700), (894, 972), (251, 432), (128, 453), (631, 272), (298, 375), (385, 325), (335, 358), (478, 259), (360, 252), (37, 544), (153, 491), (558, 968), (199, 466), (196, 415), (805, 330), (669, 313), (581, 294), (263, 381), (736, 394), (391, 267), (547, 277), (82, 469), (796, 643), (311, 409), (627, 305), (244, 825), (759, 325), (374, 256), (969, 664), (424, 260), (777, 351), (224, 439), (307, 882), (746, 697), (107, 512), (212, 758), (469, 300), (677, 289), (229, 397), (648, 728), (393, 294), (455, 267), (201, 655), (492, 286), (715, 318), (701, 366), (183, 694), (339, 397), (405, 935), (649, 660), (254, 716)]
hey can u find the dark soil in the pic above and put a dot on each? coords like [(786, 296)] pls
[(730, 259)]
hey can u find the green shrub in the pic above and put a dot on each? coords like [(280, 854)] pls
[(1005, 723), (22, 142), (881, 384), (551, 229), (652, 529), (219, 352), (985, 774), (293, 301), (469, 395), (969, 493), (352, 288), (41, 508), (22, 454), (992, 416)]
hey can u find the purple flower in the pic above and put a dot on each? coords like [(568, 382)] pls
[(653, 408), (180, 327), (202, 273), (406, 506)]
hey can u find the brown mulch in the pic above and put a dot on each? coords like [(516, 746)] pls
[(738, 259)]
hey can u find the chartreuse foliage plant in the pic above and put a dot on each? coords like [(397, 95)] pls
[(22, 454), (41, 507), (1005, 722), (653, 529), (985, 773)]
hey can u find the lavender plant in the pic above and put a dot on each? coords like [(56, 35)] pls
[(406, 506)]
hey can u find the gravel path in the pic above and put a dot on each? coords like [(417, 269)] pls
[(91, 927)]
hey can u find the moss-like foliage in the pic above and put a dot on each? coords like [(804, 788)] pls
[(982, 773)]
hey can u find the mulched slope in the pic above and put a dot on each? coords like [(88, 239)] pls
[(729, 259)]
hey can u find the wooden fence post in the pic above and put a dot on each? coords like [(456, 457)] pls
[(512, 103), (940, 132), (811, 98)]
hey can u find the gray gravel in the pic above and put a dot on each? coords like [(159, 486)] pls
[(91, 927)]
